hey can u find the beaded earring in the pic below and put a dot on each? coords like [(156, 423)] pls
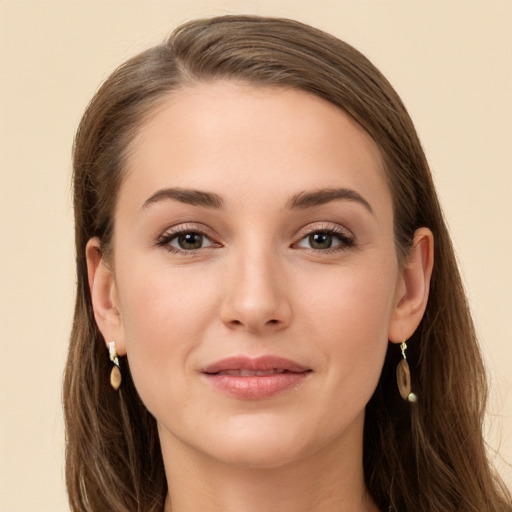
[(115, 374), (403, 377)]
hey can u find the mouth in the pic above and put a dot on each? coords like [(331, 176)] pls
[(244, 372), (255, 378)]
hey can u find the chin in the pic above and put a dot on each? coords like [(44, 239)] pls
[(257, 454), (258, 443)]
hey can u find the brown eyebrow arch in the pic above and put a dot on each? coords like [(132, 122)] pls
[(184, 195), (326, 195)]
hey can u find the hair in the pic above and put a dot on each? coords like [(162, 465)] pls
[(424, 456)]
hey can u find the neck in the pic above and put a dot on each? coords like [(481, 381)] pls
[(329, 481)]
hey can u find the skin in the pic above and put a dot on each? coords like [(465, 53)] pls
[(256, 286)]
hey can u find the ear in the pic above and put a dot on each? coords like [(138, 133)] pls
[(104, 298), (413, 287)]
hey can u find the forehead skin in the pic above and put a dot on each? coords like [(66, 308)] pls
[(255, 134)]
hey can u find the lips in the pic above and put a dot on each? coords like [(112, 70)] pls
[(255, 378), (250, 373)]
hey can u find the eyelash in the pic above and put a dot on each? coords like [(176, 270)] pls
[(166, 238), (346, 240)]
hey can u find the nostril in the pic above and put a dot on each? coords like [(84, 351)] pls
[(273, 321)]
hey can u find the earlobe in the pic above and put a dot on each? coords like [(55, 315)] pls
[(412, 293), (104, 296)]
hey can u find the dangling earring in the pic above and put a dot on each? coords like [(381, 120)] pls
[(115, 374), (403, 377)]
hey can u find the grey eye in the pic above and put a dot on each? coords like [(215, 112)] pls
[(189, 241), (320, 240)]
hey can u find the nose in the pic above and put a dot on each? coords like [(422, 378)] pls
[(256, 298)]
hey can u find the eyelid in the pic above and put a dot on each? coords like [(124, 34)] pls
[(324, 227)]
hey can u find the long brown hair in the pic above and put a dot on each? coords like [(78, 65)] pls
[(420, 457)]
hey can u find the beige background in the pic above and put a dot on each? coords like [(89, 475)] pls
[(450, 61)]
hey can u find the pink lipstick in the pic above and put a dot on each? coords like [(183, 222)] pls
[(255, 378)]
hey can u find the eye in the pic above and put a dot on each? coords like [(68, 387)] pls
[(188, 241), (185, 241), (322, 240)]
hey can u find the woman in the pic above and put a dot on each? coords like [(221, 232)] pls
[(265, 274)]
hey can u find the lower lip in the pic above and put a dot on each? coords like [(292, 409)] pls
[(256, 387)]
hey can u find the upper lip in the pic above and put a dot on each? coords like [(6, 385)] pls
[(262, 363)]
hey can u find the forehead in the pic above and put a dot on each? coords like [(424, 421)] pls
[(226, 136)]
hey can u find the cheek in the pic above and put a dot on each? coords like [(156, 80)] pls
[(350, 321), (356, 299), (164, 319)]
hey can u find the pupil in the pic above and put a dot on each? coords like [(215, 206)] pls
[(320, 240), (190, 241)]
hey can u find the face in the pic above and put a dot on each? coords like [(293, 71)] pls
[(254, 273)]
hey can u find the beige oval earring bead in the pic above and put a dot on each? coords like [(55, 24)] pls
[(115, 378), (115, 373), (403, 377)]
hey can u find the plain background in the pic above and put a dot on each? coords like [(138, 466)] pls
[(450, 61)]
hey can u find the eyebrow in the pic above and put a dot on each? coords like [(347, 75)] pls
[(300, 201), (187, 196), (326, 195)]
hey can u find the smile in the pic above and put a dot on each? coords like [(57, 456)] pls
[(242, 372), (255, 378)]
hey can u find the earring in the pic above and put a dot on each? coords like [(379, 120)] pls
[(115, 374), (403, 377)]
